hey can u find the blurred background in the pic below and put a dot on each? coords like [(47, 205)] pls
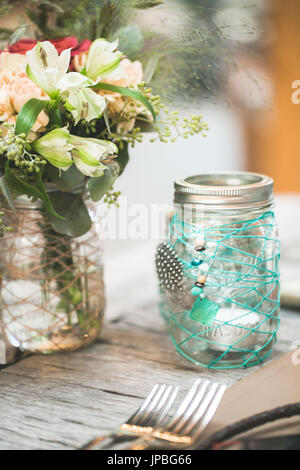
[(233, 61), (236, 62)]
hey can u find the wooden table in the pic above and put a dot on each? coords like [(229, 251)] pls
[(63, 401)]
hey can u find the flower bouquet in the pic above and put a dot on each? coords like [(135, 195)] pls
[(69, 111)]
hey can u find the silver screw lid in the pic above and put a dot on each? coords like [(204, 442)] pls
[(241, 189)]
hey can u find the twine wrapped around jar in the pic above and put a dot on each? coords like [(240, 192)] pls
[(221, 303), (52, 291)]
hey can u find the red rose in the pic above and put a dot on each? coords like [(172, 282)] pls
[(22, 46), (83, 46), (64, 43)]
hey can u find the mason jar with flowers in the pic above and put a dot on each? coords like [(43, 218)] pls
[(68, 114)]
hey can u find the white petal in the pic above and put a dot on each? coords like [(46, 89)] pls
[(92, 171), (64, 60), (73, 80)]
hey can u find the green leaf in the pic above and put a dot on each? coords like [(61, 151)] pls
[(76, 217), (150, 68), (106, 119), (45, 198), (98, 187), (18, 34), (65, 180), (123, 157), (28, 115), (126, 92), (21, 187), (142, 4), (5, 189)]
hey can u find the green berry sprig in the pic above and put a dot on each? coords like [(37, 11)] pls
[(3, 227), (16, 149), (168, 126), (111, 198)]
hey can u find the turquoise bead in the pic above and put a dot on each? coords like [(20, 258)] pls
[(204, 311), (196, 262), (196, 290)]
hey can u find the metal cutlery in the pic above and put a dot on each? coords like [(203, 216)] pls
[(193, 415), (153, 410)]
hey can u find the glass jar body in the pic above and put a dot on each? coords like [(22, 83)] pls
[(52, 291), (220, 297)]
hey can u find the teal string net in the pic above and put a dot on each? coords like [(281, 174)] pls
[(232, 319)]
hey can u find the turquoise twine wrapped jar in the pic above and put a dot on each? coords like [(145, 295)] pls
[(218, 270)]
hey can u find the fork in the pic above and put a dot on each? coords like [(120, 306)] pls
[(152, 411), (191, 418)]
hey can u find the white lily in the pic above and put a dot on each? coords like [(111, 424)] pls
[(88, 152), (85, 104), (81, 101), (56, 148), (72, 81), (103, 57), (46, 68)]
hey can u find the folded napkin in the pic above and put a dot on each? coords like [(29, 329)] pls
[(275, 384)]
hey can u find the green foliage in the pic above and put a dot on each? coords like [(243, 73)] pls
[(3, 228), (63, 269), (98, 187), (16, 149), (36, 191), (28, 115), (6, 192), (127, 92), (76, 220), (69, 180), (123, 156), (82, 18), (131, 38), (146, 3)]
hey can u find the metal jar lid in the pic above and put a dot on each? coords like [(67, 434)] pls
[(240, 189)]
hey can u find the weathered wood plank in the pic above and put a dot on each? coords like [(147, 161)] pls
[(63, 401)]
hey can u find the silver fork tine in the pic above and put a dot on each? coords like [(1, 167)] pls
[(154, 416), (153, 410), (185, 418), (191, 422), (152, 405), (211, 411), (191, 418), (167, 408), (140, 419), (184, 405), (143, 405)]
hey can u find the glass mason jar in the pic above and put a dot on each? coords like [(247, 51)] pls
[(218, 270), (51, 285)]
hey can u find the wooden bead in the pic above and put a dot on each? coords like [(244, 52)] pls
[(201, 279), (199, 284), (199, 244)]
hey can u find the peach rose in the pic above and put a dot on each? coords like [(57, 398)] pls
[(79, 61), (10, 62), (16, 89)]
